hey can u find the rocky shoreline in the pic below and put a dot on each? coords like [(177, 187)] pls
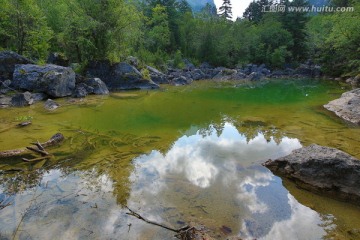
[(324, 170), (31, 83), (347, 106)]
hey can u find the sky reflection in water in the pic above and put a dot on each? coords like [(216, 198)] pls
[(224, 169), (208, 176)]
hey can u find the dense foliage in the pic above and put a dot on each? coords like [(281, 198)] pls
[(160, 32)]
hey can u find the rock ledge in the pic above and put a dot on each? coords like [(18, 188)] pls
[(324, 170), (347, 106)]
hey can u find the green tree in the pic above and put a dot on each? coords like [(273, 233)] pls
[(225, 10), (87, 29), (159, 33), (256, 9), (23, 28), (295, 23), (174, 20)]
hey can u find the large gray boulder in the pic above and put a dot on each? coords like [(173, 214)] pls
[(39, 97), (8, 60), (322, 170), (98, 86), (80, 91), (182, 80), (157, 76), (308, 70), (189, 66), (5, 86), (347, 106), (55, 81), (354, 81), (288, 72), (119, 76), (224, 73), (197, 74), (238, 76), (255, 76)]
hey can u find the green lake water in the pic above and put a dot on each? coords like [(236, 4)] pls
[(176, 155)]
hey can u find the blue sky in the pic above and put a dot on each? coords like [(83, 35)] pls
[(238, 6)]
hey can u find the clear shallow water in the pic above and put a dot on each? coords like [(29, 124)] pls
[(184, 154)]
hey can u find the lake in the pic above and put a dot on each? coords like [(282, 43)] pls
[(177, 155)]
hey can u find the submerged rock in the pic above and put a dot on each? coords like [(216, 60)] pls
[(347, 106), (323, 170), (55, 81), (51, 105)]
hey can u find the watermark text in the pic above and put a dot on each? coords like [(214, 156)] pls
[(305, 9)]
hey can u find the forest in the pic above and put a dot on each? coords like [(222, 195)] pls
[(159, 32)]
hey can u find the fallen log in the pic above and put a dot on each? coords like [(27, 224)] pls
[(54, 140)]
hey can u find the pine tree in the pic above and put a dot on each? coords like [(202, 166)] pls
[(254, 12), (225, 10)]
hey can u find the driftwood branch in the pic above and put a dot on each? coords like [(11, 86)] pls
[(4, 204), (42, 152), (132, 213), (36, 159), (187, 232), (54, 140), (39, 146)]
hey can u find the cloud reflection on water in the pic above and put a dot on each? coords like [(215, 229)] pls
[(227, 166), (201, 158), (214, 177)]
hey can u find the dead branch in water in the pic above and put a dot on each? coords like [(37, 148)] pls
[(3, 204), (36, 159), (42, 152), (54, 140), (132, 213), (184, 233)]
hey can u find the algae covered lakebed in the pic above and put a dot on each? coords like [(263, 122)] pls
[(176, 155)]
